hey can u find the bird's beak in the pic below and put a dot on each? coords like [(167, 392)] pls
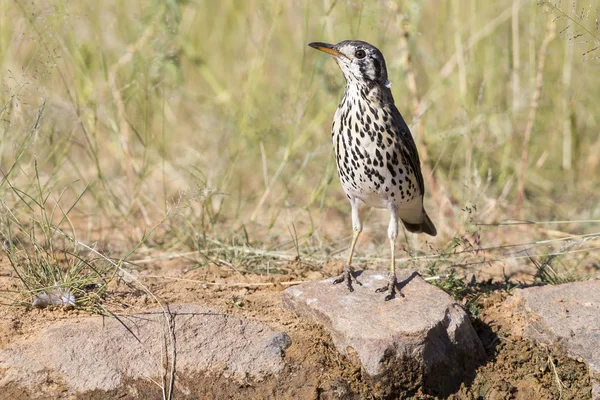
[(327, 48)]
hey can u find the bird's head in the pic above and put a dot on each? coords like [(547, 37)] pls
[(361, 62)]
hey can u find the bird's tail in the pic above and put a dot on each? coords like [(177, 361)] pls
[(424, 227)]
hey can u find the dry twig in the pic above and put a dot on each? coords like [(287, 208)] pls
[(535, 102)]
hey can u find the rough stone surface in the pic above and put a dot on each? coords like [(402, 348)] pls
[(423, 339), (567, 315), (100, 353)]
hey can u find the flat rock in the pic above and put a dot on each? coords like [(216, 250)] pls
[(567, 315), (100, 353), (423, 339)]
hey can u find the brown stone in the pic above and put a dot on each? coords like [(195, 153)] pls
[(422, 339), (567, 315), (97, 353)]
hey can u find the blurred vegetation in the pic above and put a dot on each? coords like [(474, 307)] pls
[(212, 119)]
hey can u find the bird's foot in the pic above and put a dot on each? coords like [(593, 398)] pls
[(390, 288), (348, 277)]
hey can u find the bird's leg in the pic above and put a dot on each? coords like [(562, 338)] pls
[(348, 273), (390, 288)]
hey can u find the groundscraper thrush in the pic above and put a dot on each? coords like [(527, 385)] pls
[(377, 159)]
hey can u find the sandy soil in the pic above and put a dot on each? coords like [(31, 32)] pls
[(514, 369)]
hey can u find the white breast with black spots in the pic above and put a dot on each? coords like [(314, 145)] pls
[(370, 157)]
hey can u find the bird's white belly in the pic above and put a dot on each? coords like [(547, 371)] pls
[(409, 210), (375, 200)]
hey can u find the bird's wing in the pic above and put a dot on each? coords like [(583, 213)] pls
[(409, 148)]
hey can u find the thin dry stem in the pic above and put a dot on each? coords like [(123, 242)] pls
[(125, 133), (567, 158), (535, 102), (460, 52), (271, 185), (516, 56), (559, 383), (233, 284)]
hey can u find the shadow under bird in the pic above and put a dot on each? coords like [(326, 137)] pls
[(377, 159)]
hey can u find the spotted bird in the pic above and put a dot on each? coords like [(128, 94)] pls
[(377, 159)]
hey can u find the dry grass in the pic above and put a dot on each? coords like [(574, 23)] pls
[(207, 124)]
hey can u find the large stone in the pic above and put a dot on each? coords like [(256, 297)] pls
[(422, 339), (567, 315), (100, 353)]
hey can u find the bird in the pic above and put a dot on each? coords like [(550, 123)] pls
[(376, 155)]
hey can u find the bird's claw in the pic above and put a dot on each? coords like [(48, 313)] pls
[(390, 288), (347, 276)]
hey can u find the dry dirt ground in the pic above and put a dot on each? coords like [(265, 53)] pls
[(515, 369)]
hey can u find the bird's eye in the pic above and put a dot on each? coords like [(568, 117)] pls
[(360, 54)]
